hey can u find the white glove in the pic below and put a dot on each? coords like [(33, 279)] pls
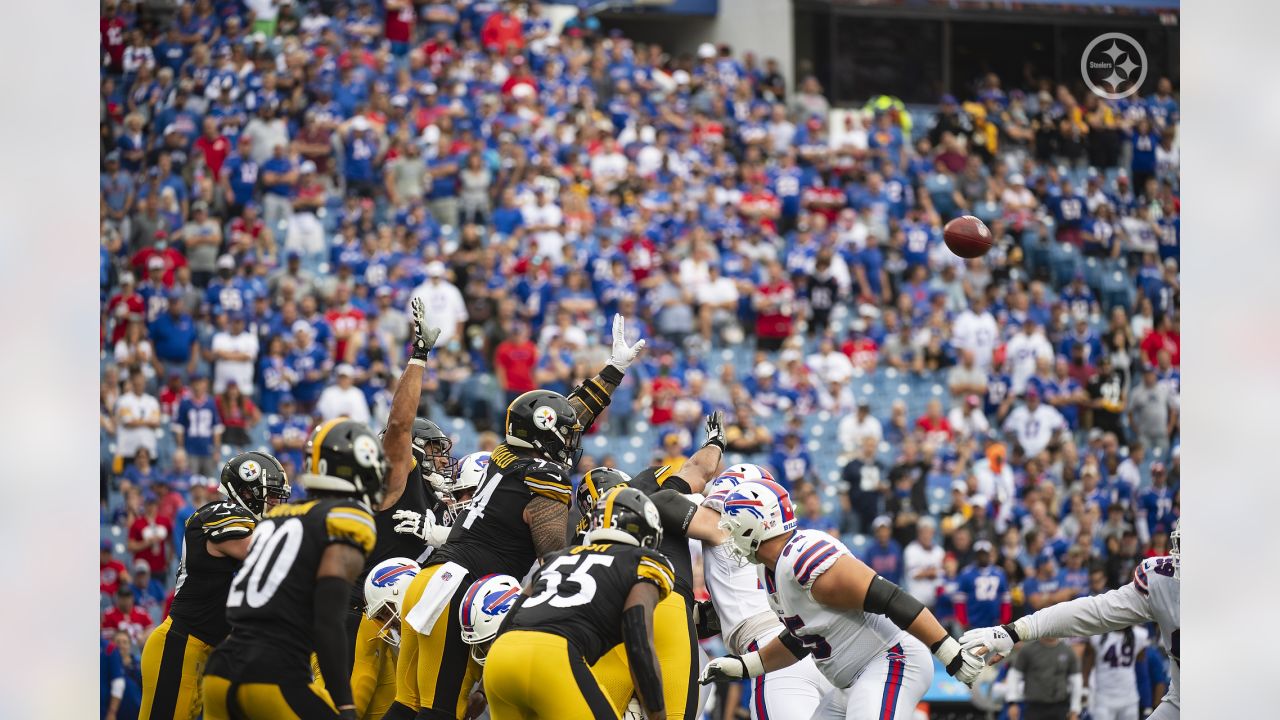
[(960, 663), (424, 336), (996, 640), (623, 354), (732, 667)]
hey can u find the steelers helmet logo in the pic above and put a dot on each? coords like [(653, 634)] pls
[(365, 450), (651, 515), (250, 470), (544, 417)]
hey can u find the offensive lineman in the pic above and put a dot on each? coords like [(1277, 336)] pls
[(582, 602), (1153, 596), (217, 540), (408, 518), (866, 635), (518, 514), (290, 596)]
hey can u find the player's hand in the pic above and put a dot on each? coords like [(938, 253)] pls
[(424, 336), (705, 619), (715, 430), (732, 667), (623, 354), (961, 664), (476, 705), (996, 640)]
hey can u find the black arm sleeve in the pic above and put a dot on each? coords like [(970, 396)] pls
[(793, 645), (675, 510), (885, 598), (332, 652), (644, 668)]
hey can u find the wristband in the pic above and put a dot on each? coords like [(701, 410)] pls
[(1013, 633), (612, 374), (753, 663), (420, 363)]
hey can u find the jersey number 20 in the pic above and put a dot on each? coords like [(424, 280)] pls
[(271, 555)]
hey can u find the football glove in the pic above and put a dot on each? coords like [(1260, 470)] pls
[(997, 640), (705, 619), (732, 667), (715, 430), (424, 336), (960, 663), (623, 354)]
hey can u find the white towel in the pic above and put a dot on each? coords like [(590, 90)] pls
[(440, 590)]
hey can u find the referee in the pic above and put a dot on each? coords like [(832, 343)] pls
[(1045, 675)]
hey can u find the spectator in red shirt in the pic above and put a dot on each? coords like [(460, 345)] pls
[(933, 423), (398, 27), (126, 617), (774, 302), (214, 146), (513, 362), (862, 351), (1164, 337), (169, 257), (502, 31), (112, 574), (111, 28), (347, 322), (149, 537), (123, 304), (761, 206), (663, 390)]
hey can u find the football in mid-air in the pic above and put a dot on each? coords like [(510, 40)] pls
[(967, 237)]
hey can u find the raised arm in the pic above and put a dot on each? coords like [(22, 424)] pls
[(593, 395), (397, 442)]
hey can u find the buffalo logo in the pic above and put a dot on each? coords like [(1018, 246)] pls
[(498, 602), (544, 417), (250, 470), (393, 574)]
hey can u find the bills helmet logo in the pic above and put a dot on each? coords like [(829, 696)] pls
[(394, 574), (497, 603), (544, 417)]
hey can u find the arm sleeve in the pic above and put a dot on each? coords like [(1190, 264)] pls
[(332, 653), (549, 480), (1086, 616), (353, 526), (593, 395), (1075, 685)]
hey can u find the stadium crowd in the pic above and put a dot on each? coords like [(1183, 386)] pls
[(280, 178)]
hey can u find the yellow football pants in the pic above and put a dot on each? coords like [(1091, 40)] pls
[(373, 675), (538, 676), (172, 665), (265, 701), (435, 670), (675, 643)]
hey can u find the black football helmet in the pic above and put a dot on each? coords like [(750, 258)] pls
[(343, 457), (431, 447), (595, 484), (625, 515), (545, 421), (250, 478)]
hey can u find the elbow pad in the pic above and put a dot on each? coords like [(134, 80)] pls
[(885, 598), (332, 653), (675, 511), (793, 645), (644, 668)]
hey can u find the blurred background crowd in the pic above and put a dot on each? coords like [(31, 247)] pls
[(279, 178)]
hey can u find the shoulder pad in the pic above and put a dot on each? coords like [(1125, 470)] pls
[(348, 522), (221, 521), (549, 480), (1149, 571), (657, 569), (810, 555)]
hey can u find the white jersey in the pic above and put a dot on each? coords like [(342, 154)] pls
[(739, 599), (1115, 682), (843, 642), (1153, 596)]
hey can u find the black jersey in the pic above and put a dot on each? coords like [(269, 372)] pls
[(200, 596), (491, 536), (579, 593), (402, 528), (674, 545), (270, 604)]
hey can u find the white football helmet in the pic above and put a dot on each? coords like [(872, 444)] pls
[(1175, 548), (462, 488), (754, 512), (384, 590), (732, 477), (484, 605)]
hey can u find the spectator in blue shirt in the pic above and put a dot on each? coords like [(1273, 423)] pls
[(174, 335), (812, 517), (884, 554), (790, 461), (982, 594), (148, 592), (279, 176), (121, 674), (198, 428)]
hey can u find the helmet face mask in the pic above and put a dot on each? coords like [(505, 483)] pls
[(753, 513), (1175, 549), (468, 473)]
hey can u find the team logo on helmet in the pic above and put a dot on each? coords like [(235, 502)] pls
[(544, 417), (736, 503), (497, 603), (250, 470), (365, 449), (392, 574)]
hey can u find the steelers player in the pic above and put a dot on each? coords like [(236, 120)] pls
[(678, 616), (584, 601), (216, 540), (518, 513), (408, 518), (289, 598)]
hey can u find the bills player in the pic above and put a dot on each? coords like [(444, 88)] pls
[(1113, 683), (1153, 596), (747, 623), (866, 635)]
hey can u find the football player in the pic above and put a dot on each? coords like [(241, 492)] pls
[(482, 611), (1154, 595), (519, 513), (582, 602), (408, 518), (384, 588), (866, 635), (290, 597), (1109, 673), (676, 625), (216, 540)]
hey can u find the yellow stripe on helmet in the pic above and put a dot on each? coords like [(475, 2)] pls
[(317, 441)]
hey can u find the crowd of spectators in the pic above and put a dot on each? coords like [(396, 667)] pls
[(279, 178)]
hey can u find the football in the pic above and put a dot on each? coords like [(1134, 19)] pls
[(967, 237)]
